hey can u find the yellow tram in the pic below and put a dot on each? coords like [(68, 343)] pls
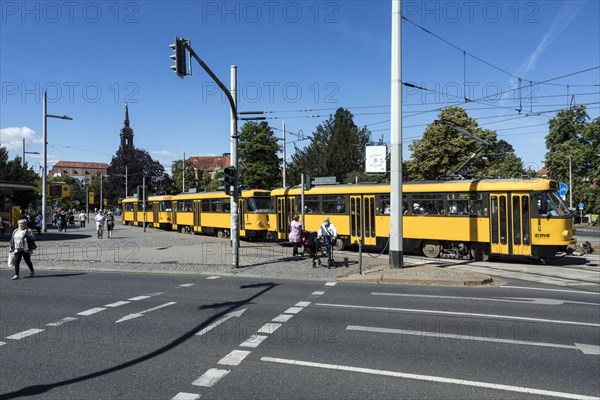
[(455, 219), (204, 212)]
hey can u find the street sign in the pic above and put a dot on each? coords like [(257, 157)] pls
[(562, 189), (581, 205)]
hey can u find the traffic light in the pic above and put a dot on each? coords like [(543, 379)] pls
[(180, 57), (307, 182), (228, 180), (141, 192)]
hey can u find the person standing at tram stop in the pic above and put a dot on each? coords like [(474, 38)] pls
[(37, 222), (100, 218), (328, 232), (295, 234), (110, 223), (82, 218), (22, 244)]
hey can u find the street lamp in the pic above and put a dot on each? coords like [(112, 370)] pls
[(570, 178), (26, 152), (45, 153)]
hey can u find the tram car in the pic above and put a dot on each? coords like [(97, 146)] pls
[(477, 219), (209, 213), (204, 212), (159, 212)]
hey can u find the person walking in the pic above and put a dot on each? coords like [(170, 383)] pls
[(82, 218), (328, 232), (100, 218), (110, 223), (37, 221), (295, 234), (22, 244)]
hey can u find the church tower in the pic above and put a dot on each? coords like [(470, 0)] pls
[(126, 132)]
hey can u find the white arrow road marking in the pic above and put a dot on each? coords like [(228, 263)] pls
[(2, 343), (141, 313), (220, 321), (551, 321), (431, 378), (210, 377), (24, 334), (588, 349), (549, 290), (186, 396), (528, 300), (585, 348)]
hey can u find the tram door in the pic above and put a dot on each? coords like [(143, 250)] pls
[(197, 215), (286, 206), (243, 217), (510, 225), (362, 217)]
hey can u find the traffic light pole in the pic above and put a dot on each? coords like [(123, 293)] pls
[(232, 97)]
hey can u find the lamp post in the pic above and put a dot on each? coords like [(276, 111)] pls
[(570, 178), (45, 155), (26, 152)]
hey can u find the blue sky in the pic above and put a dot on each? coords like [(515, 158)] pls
[(92, 57)]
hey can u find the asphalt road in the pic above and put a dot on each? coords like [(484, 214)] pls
[(74, 335)]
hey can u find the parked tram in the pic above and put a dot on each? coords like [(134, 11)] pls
[(477, 219), (204, 212)]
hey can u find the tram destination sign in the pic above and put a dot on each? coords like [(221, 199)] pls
[(324, 180)]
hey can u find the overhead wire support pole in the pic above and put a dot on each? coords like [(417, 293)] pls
[(396, 257)]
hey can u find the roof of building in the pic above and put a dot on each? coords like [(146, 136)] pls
[(210, 163), (81, 164)]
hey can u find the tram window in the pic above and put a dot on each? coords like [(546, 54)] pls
[(516, 217), (205, 206), (427, 204), (184, 206), (526, 236), (164, 205), (383, 204), (333, 204), (149, 206), (311, 204), (128, 206), (220, 205), (258, 204), (466, 204), (550, 204)]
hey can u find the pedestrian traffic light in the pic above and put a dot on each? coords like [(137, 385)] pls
[(228, 180), (180, 57)]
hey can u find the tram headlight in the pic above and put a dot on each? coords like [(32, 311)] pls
[(566, 234), (260, 223)]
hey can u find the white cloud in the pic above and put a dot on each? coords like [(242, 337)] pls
[(12, 138), (164, 153), (562, 20)]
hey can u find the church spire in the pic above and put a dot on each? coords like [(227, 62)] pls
[(126, 132)]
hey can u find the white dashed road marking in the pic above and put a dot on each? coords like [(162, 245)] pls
[(234, 358), (213, 277), (24, 334), (210, 377), (318, 293), (331, 284), (282, 318), (268, 328), (138, 298), (431, 378), (302, 304), (186, 396), (92, 311), (62, 321), (293, 310), (253, 341), (187, 284), (117, 304)]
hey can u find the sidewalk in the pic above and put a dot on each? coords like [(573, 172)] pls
[(161, 252)]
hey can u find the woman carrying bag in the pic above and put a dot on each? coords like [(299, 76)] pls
[(22, 244)]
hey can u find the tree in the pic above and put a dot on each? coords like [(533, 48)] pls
[(260, 164), (139, 165), (177, 176), (14, 171), (443, 149), (571, 134), (337, 148)]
